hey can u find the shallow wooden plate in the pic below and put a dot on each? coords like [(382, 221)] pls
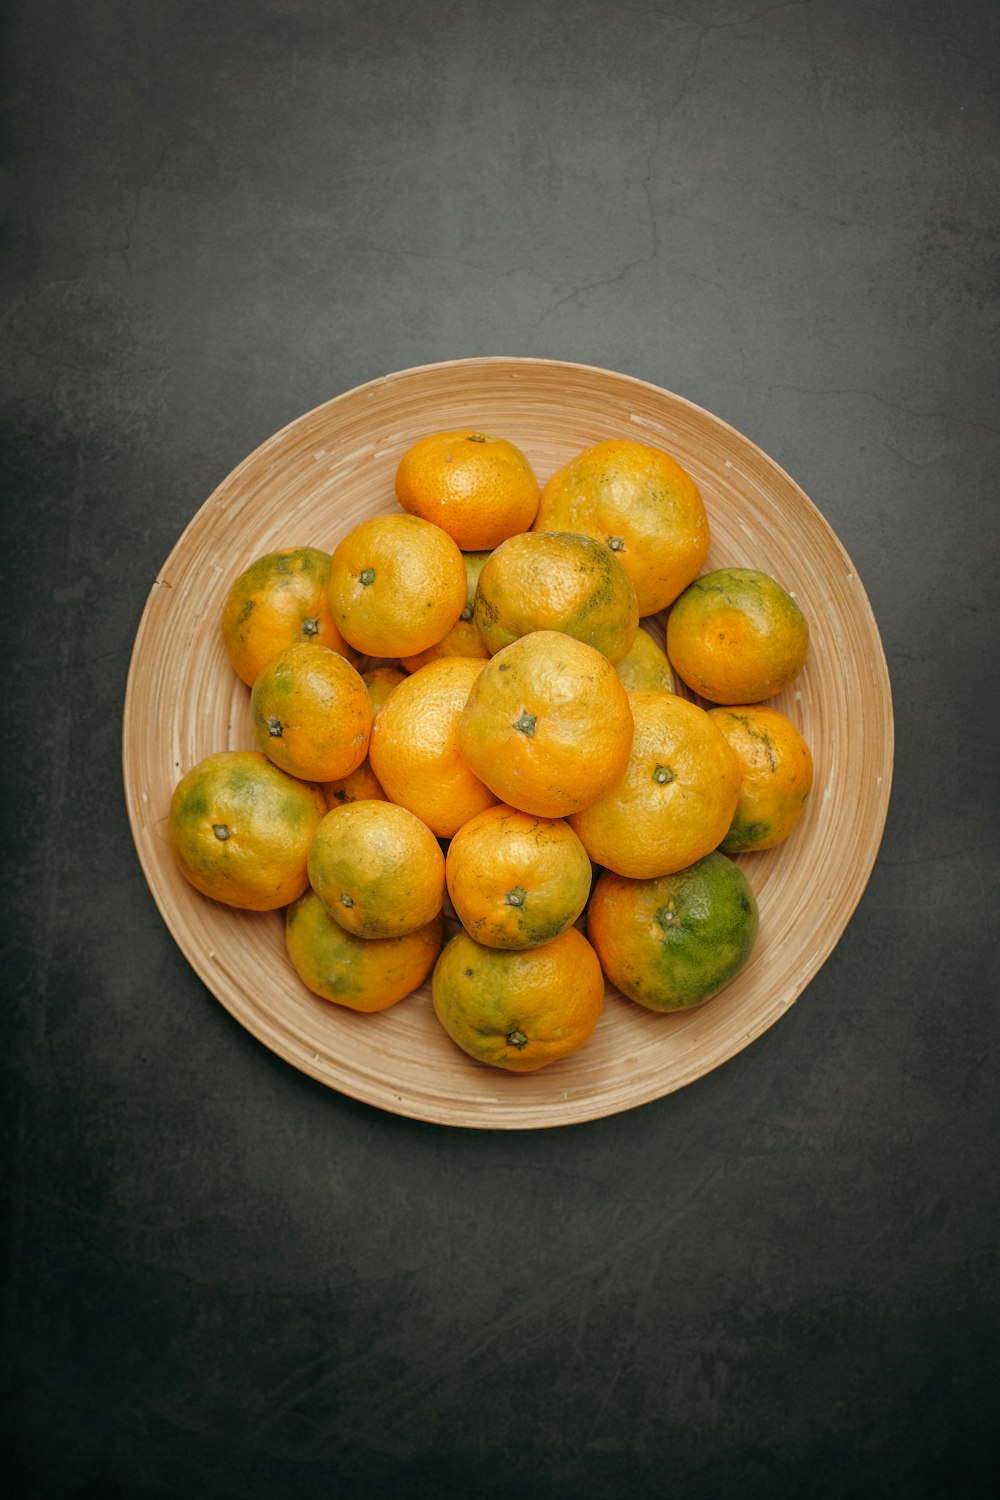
[(308, 485)]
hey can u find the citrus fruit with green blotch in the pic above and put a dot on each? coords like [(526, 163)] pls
[(673, 942), (240, 830), (541, 580), (377, 868), (516, 880), (641, 503), (279, 600), (737, 636), (366, 974), (776, 775), (311, 713), (518, 1010)]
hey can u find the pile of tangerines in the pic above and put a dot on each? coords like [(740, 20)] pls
[(461, 706)]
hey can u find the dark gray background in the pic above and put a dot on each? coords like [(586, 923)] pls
[(224, 1280)]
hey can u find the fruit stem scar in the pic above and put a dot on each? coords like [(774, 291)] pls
[(310, 627), (476, 437), (517, 1038), (221, 832), (666, 916), (616, 543), (274, 727), (366, 576), (345, 899), (526, 723), (663, 774), (516, 896)]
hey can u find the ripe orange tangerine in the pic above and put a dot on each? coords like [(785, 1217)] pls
[(547, 725), (479, 489), (397, 585), (414, 750), (516, 880), (736, 636), (464, 638), (676, 797)]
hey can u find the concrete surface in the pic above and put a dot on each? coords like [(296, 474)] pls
[(222, 1279)]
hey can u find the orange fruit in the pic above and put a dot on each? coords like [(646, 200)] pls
[(311, 713), (540, 580), (776, 774), (359, 785), (516, 880), (361, 974), (640, 503), (519, 1010), (240, 830), (644, 667), (478, 489), (736, 636), (676, 797), (673, 942), (397, 585), (547, 725), (414, 748), (277, 601), (463, 639), (362, 784), (377, 869)]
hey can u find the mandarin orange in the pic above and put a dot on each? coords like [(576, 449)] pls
[(397, 585), (737, 636), (547, 725), (277, 601), (675, 799), (519, 1010), (311, 713), (478, 489), (240, 830), (414, 748), (540, 580), (642, 504)]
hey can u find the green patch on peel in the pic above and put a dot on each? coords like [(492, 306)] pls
[(745, 836)]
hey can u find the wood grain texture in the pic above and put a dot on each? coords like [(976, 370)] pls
[(309, 484)]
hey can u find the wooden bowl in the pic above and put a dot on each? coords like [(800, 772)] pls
[(311, 483)]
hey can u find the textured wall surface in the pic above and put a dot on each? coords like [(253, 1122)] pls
[(224, 1280)]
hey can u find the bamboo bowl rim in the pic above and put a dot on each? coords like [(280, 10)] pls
[(307, 485)]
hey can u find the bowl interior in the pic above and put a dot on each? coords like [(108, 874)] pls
[(308, 485)]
